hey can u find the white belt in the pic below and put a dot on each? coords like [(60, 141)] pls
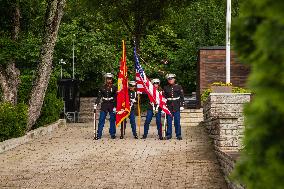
[(111, 98), (173, 98)]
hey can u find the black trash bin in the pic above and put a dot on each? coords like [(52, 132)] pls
[(68, 89)]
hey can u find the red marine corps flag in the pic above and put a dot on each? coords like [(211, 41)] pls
[(123, 104)]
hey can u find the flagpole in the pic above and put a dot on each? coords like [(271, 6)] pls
[(228, 45), (139, 115)]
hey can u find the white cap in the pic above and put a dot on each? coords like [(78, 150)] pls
[(108, 75), (132, 83), (155, 81), (170, 76)]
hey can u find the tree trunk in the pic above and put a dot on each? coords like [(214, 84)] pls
[(9, 74), (54, 14), (9, 80)]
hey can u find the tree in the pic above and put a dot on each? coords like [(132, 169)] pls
[(9, 73), (168, 36), (259, 38), (138, 16), (54, 13)]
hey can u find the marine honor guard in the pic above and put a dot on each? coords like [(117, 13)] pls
[(107, 93), (153, 109), (175, 103), (132, 97)]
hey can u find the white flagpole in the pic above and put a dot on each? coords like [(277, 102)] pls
[(228, 44), (73, 59)]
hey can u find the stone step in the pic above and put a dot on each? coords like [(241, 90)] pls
[(189, 124), (90, 120), (193, 110), (87, 99), (86, 106), (185, 120), (194, 120), (193, 114), (86, 114), (190, 116), (85, 120), (90, 110)]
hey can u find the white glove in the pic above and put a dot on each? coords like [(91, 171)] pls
[(163, 112), (114, 110), (95, 106), (181, 108)]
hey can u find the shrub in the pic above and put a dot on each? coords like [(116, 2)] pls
[(207, 92), (259, 39), (52, 105), (221, 84), (240, 90), (13, 120), (25, 88)]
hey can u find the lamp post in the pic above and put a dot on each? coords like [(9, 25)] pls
[(228, 44), (61, 62), (73, 58)]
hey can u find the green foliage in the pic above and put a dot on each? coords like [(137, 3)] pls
[(52, 105), (240, 90), (259, 38), (205, 94), (13, 120), (25, 88), (26, 49), (170, 35), (221, 84)]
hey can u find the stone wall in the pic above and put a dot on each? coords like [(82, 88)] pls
[(224, 120), (212, 68), (31, 135)]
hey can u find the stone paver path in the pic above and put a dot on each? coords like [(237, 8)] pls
[(69, 158)]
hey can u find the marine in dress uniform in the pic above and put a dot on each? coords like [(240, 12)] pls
[(132, 97), (107, 93), (175, 102), (153, 109)]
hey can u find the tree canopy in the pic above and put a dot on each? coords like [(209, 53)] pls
[(168, 33)]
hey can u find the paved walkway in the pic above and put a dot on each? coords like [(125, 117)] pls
[(69, 158)]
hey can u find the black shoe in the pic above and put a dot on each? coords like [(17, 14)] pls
[(179, 138), (161, 138), (168, 137), (144, 137), (135, 136), (121, 137), (113, 137), (97, 138)]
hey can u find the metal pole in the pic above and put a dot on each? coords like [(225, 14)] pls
[(73, 57), (228, 45), (139, 115), (61, 71), (121, 130), (95, 123), (164, 128)]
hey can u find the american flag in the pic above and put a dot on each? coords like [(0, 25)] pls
[(145, 86)]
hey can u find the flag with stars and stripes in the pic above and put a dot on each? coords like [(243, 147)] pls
[(144, 85)]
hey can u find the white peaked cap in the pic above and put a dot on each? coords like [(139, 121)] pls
[(133, 83), (155, 80), (170, 76), (108, 75)]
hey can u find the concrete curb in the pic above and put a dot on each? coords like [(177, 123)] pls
[(34, 134)]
